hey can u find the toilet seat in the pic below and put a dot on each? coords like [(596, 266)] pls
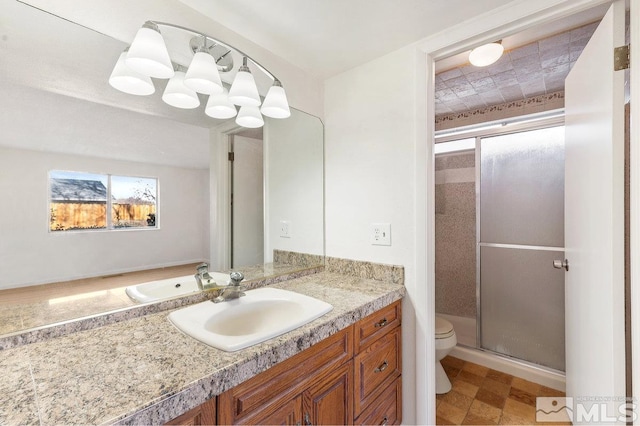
[(444, 329)]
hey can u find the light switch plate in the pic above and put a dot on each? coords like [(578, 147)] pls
[(381, 234)]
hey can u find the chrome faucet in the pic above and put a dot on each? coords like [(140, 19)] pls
[(234, 290), (202, 274)]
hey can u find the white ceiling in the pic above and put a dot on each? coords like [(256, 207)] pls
[(326, 37)]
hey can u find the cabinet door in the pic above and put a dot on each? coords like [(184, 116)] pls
[(329, 400), (279, 413), (203, 414), (386, 409)]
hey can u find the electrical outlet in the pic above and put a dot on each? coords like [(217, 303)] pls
[(381, 234), (285, 229)]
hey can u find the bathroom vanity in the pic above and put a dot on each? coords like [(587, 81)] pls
[(352, 377), (343, 367)]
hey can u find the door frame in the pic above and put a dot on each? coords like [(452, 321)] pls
[(219, 196), (493, 25)]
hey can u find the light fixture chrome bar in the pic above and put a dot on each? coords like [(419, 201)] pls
[(217, 41)]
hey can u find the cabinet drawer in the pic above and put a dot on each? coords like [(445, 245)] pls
[(377, 325), (283, 381), (376, 367), (386, 409)]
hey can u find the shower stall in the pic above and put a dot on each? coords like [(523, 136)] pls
[(499, 227)]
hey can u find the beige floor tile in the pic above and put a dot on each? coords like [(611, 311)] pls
[(498, 388), (520, 409), (458, 400), (450, 413), (511, 419), (499, 376), (476, 369), (472, 419), (525, 385), (464, 388), (482, 396), (486, 411)]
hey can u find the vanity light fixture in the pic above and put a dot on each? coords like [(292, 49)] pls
[(249, 116), (128, 81), (486, 54), (203, 66), (219, 106), (177, 94)]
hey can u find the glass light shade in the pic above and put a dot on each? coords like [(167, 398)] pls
[(486, 54), (219, 106), (249, 116), (275, 105), (128, 81), (148, 54), (203, 75), (243, 91), (178, 95)]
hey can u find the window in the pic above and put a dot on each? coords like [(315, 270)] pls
[(80, 201)]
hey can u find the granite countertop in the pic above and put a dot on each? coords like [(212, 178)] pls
[(144, 371)]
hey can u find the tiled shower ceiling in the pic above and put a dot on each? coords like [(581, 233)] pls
[(535, 69)]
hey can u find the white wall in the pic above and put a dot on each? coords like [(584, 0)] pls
[(248, 202), (294, 184), (371, 116), (30, 254)]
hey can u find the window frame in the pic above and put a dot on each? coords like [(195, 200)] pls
[(109, 204)]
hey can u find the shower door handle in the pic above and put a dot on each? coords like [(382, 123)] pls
[(561, 264)]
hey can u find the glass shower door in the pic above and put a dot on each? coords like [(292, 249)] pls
[(521, 232)]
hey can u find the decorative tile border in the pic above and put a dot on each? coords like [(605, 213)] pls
[(297, 259), (532, 105), (368, 270)]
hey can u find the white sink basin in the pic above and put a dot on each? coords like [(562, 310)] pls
[(171, 287), (239, 323)]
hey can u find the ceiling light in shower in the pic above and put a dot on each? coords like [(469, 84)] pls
[(486, 54)]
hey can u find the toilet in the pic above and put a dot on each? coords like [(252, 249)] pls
[(445, 341)]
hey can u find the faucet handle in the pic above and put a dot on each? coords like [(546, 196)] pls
[(203, 267), (236, 278)]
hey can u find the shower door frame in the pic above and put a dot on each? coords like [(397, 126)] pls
[(548, 119)]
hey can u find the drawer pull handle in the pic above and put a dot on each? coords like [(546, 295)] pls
[(307, 420), (384, 422), (382, 323), (382, 367)]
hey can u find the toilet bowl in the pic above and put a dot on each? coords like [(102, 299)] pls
[(445, 341)]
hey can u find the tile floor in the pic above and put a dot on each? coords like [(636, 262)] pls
[(482, 396)]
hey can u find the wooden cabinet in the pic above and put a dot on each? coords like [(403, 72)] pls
[(203, 414), (329, 400), (351, 377), (304, 375), (378, 367), (387, 409)]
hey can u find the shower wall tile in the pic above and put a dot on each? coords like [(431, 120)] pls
[(456, 240), (455, 161)]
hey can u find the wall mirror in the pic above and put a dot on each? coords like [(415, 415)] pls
[(261, 214)]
